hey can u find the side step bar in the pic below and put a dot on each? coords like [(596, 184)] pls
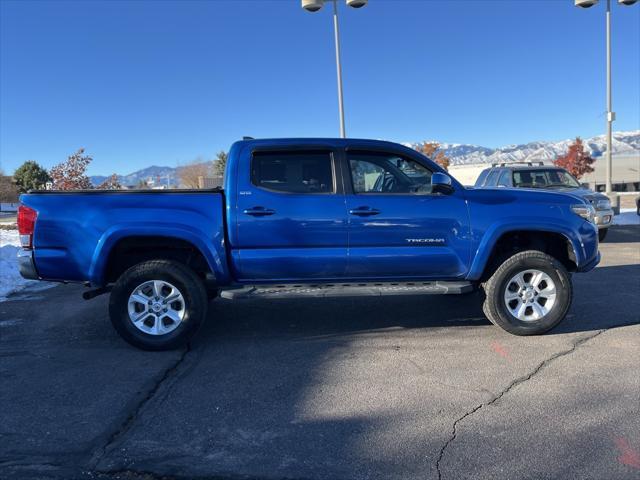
[(377, 289)]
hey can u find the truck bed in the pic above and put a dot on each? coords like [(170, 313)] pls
[(76, 230)]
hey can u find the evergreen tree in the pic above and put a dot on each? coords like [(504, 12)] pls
[(30, 176)]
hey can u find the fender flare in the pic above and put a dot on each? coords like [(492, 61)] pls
[(482, 255), (214, 257)]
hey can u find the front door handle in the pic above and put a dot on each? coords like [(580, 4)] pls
[(259, 211), (364, 211)]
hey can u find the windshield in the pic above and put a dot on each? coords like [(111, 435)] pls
[(550, 178)]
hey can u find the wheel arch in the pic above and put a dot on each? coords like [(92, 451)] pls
[(119, 249), (502, 243)]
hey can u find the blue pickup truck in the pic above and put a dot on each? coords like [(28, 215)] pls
[(310, 217)]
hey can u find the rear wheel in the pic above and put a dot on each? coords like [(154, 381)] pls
[(158, 305), (602, 233), (529, 294)]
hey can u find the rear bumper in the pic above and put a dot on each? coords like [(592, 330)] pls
[(26, 265)]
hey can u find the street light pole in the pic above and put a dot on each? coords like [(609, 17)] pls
[(611, 116), (336, 32), (314, 6)]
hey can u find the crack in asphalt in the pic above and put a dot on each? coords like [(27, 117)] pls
[(124, 427), (512, 385)]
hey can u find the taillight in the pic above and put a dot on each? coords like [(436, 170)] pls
[(26, 225)]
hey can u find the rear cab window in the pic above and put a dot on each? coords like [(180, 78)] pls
[(307, 172)]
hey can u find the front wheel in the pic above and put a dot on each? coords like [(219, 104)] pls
[(158, 305), (529, 294)]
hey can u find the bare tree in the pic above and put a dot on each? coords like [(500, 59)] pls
[(8, 189), (189, 174)]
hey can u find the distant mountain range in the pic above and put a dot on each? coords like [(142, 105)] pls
[(156, 175), (624, 143)]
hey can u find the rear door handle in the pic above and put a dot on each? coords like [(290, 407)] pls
[(364, 211), (259, 211)]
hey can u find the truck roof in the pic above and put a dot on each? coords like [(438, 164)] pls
[(315, 141)]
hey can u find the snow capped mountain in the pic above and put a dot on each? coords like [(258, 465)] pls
[(154, 174), (624, 143)]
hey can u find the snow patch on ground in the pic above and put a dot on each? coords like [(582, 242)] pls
[(628, 216), (10, 279)]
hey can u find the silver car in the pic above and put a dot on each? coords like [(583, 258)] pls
[(547, 177)]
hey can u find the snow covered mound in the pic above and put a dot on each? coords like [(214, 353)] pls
[(10, 279)]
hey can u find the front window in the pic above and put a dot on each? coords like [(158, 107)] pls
[(373, 172), (544, 178)]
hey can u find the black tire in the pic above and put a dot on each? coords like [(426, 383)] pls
[(178, 275), (602, 234), (495, 307)]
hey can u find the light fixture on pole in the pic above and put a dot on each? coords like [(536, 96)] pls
[(611, 116), (314, 6)]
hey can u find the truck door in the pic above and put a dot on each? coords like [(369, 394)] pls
[(291, 217), (397, 227)]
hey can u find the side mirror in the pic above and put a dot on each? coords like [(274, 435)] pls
[(441, 183)]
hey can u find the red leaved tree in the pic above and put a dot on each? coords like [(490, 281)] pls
[(432, 150), (111, 183), (576, 161), (70, 175)]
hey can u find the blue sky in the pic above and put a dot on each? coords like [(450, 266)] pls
[(140, 83)]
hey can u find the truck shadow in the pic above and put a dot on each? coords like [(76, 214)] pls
[(594, 295), (341, 315)]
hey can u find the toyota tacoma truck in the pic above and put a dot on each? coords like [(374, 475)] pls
[(310, 217)]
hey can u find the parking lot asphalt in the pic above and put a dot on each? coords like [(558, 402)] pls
[(350, 388)]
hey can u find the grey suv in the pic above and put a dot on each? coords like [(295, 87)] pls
[(547, 177)]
